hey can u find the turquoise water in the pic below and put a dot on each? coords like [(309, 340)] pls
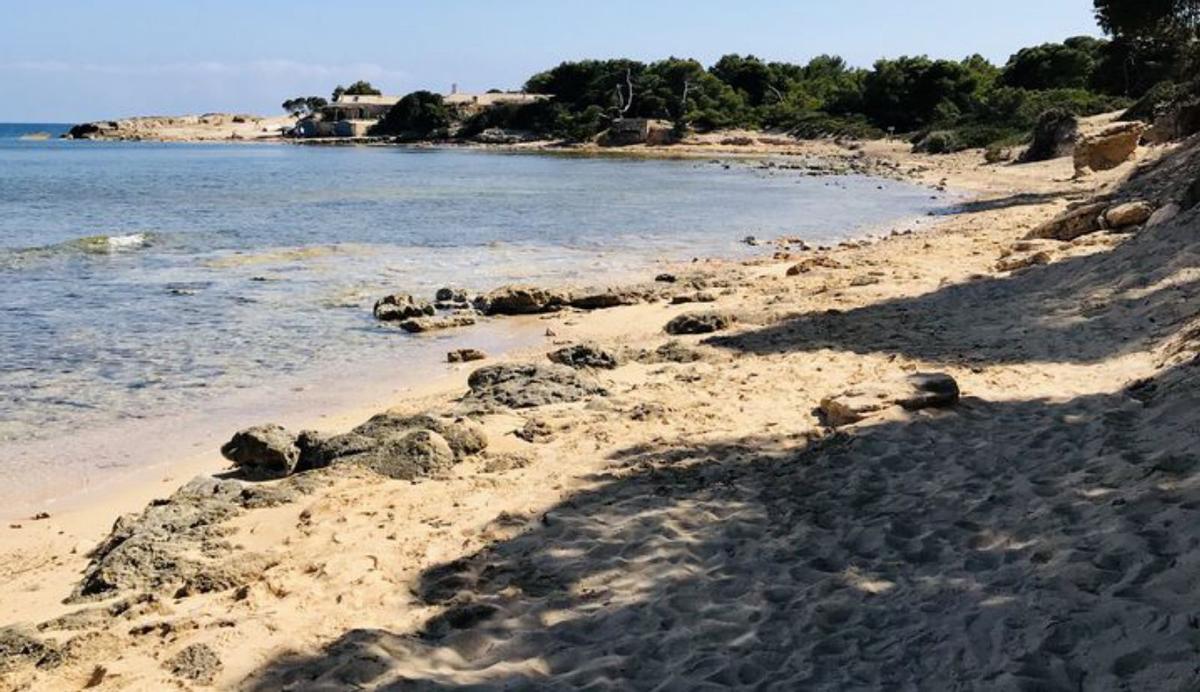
[(140, 279)]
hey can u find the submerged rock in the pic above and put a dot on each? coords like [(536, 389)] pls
[(699, 323), (528, 385), (399, 307), (584, 356), (264, 451)]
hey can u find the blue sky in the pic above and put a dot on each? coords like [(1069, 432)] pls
[(71, 60)]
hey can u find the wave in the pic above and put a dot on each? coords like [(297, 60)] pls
[(86, 245)]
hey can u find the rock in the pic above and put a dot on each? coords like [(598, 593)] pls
[(451, 295), (1163, 215), (265, 451), (666, 278), (536, 432), (1109, 148), (464, 437), (601, 299), (1054, 136), (1072, 223), (176, 542), (508, 461), (529, 385), (198, 663), (19, 647), (812, 263), (420, 325), (670, 352), (1012, 264), (521, 300), (395, 308), (584, 356), (412, 455), (699, 323), (1128, 214), (697, 297), (914, 392), (465, 355)]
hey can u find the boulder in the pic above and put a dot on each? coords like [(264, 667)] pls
[(666, 278), (1074, 222), (264, 451), (1128, 214), (1164, 214), (451, 295), (410, 455), (1053, 136), (399, 306), (465, 355), (464, 437), (528, 385), (913, 393), (1109, 148), (521, 300), (420, 325), (699, 323), (584, 356)]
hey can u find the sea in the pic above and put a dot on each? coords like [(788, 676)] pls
[(155, 297)]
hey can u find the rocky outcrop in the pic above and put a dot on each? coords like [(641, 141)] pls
[(420, 325), (400, 307), (604, 298), (528, 385), (699, 323), (694, 297), (521, 300), (1076, 221), (465, 355), (21, 648), (265, 451), (386, 444), (1108, 148), (405, 456), (1054, 136), (582, 356), (914, 392)]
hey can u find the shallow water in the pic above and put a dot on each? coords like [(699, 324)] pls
[(142, 281)]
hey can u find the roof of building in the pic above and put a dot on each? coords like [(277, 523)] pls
[(492, 98), (366, 100)]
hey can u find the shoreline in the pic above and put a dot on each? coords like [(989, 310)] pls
[(357, 555)]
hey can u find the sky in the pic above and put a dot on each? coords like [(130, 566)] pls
[(77, 60)]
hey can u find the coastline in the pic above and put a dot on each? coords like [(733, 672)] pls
[(759, 389)]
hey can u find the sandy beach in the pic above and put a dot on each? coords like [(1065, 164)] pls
[(696, 517)]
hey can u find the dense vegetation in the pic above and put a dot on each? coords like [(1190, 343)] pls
[(943, 105)]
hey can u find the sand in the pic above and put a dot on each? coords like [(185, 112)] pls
[(701, 528)]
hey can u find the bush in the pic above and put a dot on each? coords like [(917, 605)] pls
[(417, 115), (939, 142)]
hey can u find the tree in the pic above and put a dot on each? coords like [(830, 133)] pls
[(912, 92), (304, 105), (418, 114), (1067, 65), (1148, 18), (359, 88)]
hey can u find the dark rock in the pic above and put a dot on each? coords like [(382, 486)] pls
[(535, 432), (1054, 136), (451, 295), (930, 390), (584, 356), (465, 355), (671, 352), (318, 451), (198, 663), (666, 278), (521, 300), (697, 297), (528, 385), (699, 323), (399, 307), (265, 451), (21, 648), (605, 298)]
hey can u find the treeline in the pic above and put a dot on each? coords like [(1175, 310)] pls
[(943, 105)]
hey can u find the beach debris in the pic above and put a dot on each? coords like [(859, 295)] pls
[(1128, 214), (263, 451), (401, 306), (586, 355), (529, 385), (19, 647), (465, 355), (521, 300), (420, 325), (699, 323), (913, 393), (198, 663), (1108, 148), (1077, 220)]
